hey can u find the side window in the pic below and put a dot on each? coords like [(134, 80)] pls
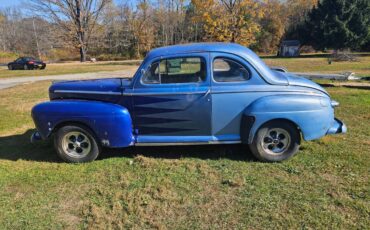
[(151, 75), (227, 70), (176, 70), (18, 60)]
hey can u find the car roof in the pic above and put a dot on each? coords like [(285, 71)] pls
[(199, 47), (233, 48)]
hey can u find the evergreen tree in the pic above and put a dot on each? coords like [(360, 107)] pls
[(337, 24)]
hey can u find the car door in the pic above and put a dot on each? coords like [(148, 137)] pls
[(171, 100), (235, 84)]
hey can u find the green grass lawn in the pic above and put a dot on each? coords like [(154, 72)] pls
[(302, 64), (200, 187), (319, 64), (68, 68)]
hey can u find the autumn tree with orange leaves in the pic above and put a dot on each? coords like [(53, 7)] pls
[(228, 20)]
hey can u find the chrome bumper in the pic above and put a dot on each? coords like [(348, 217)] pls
[(337, 127), (36, 136)]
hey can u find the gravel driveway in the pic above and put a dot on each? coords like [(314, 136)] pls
[(10, 82)]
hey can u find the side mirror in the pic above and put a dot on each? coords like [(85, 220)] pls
[(143, 72)]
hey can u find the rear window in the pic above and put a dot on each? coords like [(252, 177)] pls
[(30, 59), (227, 70)]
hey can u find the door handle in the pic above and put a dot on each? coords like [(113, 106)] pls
[(208, 92)]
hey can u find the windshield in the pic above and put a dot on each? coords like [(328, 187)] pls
[(31, 59), (271, 76)]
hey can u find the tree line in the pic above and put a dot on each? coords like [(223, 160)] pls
[(129, 29)]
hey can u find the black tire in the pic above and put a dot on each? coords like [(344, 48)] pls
[(276, 141), (25, 67), (10, 67), (63, 141)]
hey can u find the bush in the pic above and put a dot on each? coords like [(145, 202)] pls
[(6, 57), (111, 57), (341, 56)]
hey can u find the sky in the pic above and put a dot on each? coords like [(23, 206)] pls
[(7, 3)]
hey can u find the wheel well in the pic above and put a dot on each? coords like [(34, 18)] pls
[(75, 123)]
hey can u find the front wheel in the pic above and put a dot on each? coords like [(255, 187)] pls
[(276, 141), (76, 144), (10, 67)]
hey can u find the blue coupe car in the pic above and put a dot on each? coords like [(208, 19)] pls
[(206, 93)]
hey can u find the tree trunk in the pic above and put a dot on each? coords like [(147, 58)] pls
[(82, 54)]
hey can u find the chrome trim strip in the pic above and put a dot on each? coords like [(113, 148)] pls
[(220, 92), (267, 91), (164, 93), (182, 93), (186, 143), (87, 92)]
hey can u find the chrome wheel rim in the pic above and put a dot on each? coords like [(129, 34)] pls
[(25, 67), (276, 141), (76, 144)]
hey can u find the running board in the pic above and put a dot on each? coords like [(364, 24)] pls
[(187, 143)]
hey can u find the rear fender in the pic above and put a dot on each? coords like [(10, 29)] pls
[(110, 123), (311, 114)]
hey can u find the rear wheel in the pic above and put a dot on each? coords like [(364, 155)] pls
[(76, 144), (25, 67), (276, 141)]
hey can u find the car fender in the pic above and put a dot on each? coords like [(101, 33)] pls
[(111, 123), (312, 114)]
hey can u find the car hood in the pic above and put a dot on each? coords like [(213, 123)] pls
[(294, 80), (97, 89)]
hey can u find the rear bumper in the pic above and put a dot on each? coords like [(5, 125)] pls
[(337, 127), (39, 66), (36, 136)]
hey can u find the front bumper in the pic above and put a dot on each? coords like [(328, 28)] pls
[(337, 127)]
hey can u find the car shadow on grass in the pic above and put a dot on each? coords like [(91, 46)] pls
[(204, 152), (18, 147)]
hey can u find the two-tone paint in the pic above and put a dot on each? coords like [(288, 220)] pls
[(123, 112)]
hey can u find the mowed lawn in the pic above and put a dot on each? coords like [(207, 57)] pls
[(302, 64), (320, 65), (69, 68), (200, 187)]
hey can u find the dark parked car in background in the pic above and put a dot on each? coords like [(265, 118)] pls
[(26, 63)]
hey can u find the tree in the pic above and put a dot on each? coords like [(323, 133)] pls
[(141, 26), (77, 18), (338, 24), (2, 31), (297, 11), (273, 25), (229, 20)]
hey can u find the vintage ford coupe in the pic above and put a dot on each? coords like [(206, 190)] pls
[(206, 93)]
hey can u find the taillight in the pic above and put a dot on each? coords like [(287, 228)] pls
[(31, 62)]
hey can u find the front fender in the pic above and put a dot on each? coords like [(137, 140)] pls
[(110, 123), (313, 115)]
